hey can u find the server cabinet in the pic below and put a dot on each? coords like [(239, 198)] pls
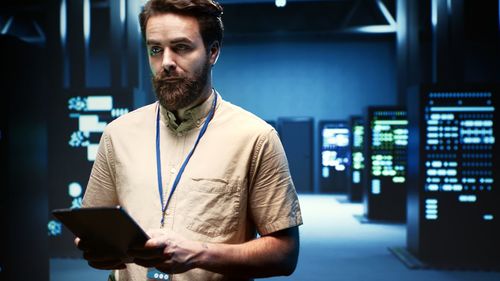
[(297, 137), (454, 210), (334, 156)]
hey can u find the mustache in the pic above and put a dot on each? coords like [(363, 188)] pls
[(169, 78)]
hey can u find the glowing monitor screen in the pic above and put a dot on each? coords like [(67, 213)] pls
[(335, 148), (388, 148), (357, 150), (459, 141)]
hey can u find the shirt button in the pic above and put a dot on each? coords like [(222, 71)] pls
[(172, 171), (198, 123)]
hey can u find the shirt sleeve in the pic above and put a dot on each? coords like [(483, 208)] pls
[(273, 201), (101, 188)]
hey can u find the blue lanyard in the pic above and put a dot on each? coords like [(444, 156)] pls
[(181, 170)]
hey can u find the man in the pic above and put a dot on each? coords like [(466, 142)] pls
[(202, 175)]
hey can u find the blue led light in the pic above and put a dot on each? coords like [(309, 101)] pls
[(488, 217), (74, 189), (325, 172), (77, 103), (375, 186), (76, 203), (54, 228), (280, 3)]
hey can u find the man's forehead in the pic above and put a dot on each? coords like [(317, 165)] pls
[(172, 25)]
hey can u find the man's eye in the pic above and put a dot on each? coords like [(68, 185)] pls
[(154, 51), (182, 48)]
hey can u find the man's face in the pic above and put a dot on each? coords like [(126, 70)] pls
[(178, 59)]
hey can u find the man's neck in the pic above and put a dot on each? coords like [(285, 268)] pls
[(180, 114)]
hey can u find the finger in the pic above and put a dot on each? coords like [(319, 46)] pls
[(147, 254), (157, 242), (107, 265)]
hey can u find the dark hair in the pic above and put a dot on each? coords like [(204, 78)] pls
[(207, 12)]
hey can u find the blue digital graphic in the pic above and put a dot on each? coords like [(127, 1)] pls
[(92, 113), (54, 228), (357, 153), (335, 149), (459, 141)]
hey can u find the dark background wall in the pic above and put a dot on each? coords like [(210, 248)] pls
[(24, 158), (323, 79)]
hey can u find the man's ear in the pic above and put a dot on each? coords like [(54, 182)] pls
[(214, 52)]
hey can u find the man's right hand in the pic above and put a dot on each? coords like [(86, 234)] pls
[(97, 257)]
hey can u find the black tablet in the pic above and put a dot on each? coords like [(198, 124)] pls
[(111, 227)]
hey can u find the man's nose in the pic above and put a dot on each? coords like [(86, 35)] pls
[(168, 62)]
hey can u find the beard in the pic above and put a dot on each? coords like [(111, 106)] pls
[(175, 92)]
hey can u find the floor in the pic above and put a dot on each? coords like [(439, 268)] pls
[(334, 246)]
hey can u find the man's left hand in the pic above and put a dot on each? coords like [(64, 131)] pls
[(167, 252)]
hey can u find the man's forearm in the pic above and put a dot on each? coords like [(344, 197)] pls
[(271, 255)]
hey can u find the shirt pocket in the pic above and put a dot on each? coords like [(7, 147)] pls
[(213, 206)]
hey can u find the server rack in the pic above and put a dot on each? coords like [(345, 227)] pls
[(297, 138), (334, 156), (453, 210)]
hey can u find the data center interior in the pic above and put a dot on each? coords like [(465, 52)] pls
[(387, 110)]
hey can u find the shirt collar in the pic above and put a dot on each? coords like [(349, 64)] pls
[(192, 117)]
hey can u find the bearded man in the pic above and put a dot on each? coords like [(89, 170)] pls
[(207, 179)]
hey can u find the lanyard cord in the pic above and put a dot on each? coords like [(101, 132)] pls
[(184, 164)]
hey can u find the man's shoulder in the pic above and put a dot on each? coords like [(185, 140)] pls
[(136, 118), (234, 115)]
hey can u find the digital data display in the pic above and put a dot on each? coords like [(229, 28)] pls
[(386, 154), (335, 152), (457, 214), (77, 122), (357, 159)]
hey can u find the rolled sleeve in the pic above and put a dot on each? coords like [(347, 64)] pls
[(273, 200), (101, 188)]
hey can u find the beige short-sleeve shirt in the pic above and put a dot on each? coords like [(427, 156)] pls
[(236, 184)]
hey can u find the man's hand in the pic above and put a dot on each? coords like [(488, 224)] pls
[(167, 252), (97, 257), (269, 255)]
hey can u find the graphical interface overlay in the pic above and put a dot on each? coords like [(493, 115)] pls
[(389, 143), (459, 145), (85, 120), (334, 149), (357, 148)]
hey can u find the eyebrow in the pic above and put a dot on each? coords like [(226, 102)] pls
[(174, 41)]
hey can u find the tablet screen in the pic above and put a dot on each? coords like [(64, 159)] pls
[(112, 227)]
